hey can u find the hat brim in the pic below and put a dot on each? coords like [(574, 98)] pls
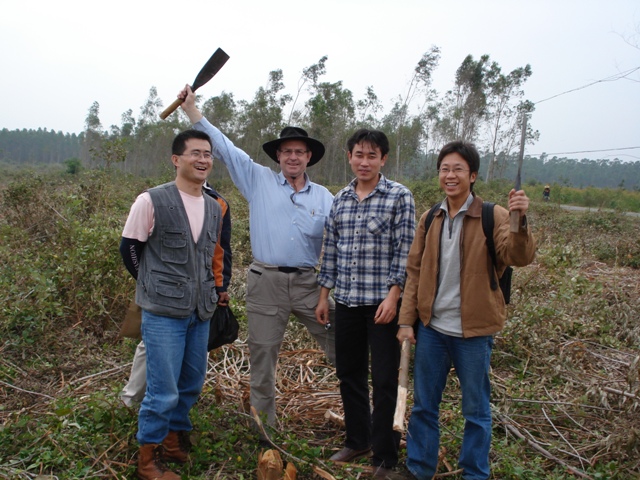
[(316, 147)]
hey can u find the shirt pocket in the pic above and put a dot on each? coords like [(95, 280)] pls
[(378, 225), (174, 246), (169, 290), (210, 296), (311, 224)]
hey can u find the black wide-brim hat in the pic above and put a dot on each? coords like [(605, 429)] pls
[(295, 133)]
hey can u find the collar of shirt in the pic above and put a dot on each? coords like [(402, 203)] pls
[(382, 186), (283, 181), (445, 206), (210, 190)]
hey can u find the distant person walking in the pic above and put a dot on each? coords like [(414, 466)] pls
[(546, 193)]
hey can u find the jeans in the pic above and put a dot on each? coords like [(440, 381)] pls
[(434, 354), (176, 367), (356, 333)]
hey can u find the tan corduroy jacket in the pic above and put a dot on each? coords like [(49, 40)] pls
[(483, 310)]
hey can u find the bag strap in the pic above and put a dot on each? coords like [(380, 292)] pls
[(429, 220), (487, 228)]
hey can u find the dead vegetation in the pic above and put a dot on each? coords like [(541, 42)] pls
[(566, 378)]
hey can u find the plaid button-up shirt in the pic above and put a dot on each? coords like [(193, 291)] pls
[(367, 242)]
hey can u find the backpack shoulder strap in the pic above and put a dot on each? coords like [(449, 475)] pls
[(429, 219), (487, 228)]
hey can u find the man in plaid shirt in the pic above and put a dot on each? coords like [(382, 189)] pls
[(368, 234)]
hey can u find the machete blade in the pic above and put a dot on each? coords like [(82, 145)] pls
[(213, 65), (518, 185)]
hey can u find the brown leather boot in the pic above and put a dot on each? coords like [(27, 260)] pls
[(177, 446), (151, 464)]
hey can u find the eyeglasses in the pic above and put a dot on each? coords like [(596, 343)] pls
[(196, 154), (456, 171), (287, 152)]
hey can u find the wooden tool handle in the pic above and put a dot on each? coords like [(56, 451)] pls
[(514, 221), (171, 108), (403, 383)]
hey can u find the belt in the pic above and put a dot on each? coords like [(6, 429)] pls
[(288, 269)]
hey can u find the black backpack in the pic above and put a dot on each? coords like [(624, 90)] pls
[(487, 227)]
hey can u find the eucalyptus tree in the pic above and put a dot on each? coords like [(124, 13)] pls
[(367, 110), (430, 117), (223, 111), (152, 137), (93, 135), (128, 123), (404, 139), (310, 76), (469, 97), (100, 148), (261, 119), (418, 85), (150, 110), (503, 116), (331, 118)]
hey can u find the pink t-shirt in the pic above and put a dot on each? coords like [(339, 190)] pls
[(140, 222)]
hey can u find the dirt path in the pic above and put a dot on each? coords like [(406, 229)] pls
[(594, 209)]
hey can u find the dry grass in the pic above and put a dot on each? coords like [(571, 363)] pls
[(566, 375)]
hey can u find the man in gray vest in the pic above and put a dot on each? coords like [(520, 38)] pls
[(167, 245)]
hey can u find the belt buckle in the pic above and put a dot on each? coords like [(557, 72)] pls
[(288, 269)]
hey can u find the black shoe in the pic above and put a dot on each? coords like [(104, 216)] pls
[(390, 474), (347, 454)]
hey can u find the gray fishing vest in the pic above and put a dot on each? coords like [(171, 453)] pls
[(176, 276)]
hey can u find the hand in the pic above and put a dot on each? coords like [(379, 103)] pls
[(386, 312), (405, 333), (518, 201), (223, 299), (322, 311), (189, 104), (388, 309)]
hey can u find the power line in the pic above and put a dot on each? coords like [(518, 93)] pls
[(585, 151), (612, 78)]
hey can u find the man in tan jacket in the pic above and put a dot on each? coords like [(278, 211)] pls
[(452, 288)]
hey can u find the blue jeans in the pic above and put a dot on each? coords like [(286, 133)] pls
[(176, 367), (434, 354)]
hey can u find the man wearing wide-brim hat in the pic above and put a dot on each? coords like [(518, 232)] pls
[(286, 213)]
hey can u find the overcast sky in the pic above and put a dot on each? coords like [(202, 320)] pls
[(58, 57)]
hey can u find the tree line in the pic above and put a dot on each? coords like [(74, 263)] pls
[(485, 105), (40, 146)]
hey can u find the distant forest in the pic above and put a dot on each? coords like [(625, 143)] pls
[(42, 147), (484, 106)]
